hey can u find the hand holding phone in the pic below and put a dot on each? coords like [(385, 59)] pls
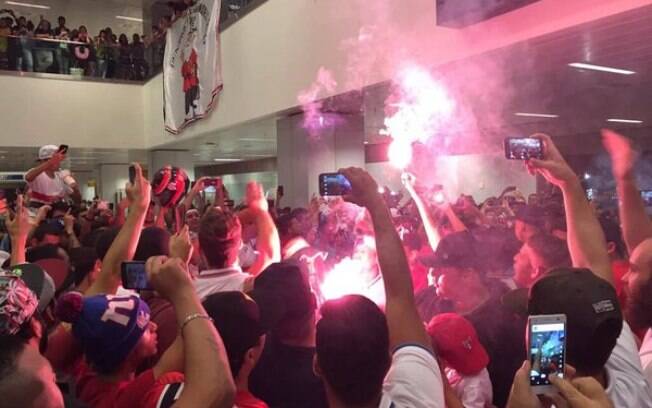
[(132, 174), (333, 184), (63, 149), (523, 148), (546, 350), (134, 276)]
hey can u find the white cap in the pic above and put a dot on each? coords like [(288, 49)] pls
[(46, 152)]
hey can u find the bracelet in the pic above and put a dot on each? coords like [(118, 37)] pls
[(192, 317)]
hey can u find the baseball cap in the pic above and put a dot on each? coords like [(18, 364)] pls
[(456, 250), (282, 292), (456, 341), (237, 319), (594, 317), (37, 280), (106, 342), (46, 152), (17, 304)]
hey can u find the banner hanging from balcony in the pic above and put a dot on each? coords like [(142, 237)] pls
[(192, 74)]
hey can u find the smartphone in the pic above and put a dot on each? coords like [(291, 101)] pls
[(63, 149), (132, 174), (210, 183), (333, 184), (134, 276), (547, 350), (647, 197), (523, 148), (280, 191)]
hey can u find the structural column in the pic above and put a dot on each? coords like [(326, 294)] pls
[(303, 155)]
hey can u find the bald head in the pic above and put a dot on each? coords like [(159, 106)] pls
[(26, 377)]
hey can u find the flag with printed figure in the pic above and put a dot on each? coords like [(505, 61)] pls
[(192, 75)]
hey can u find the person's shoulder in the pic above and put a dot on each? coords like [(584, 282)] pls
[(146, 391)]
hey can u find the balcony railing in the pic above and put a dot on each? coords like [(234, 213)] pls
[(92, 59)]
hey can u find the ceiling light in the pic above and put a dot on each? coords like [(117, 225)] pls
[(253, 139), (38, 6), (226, 160), (140, 20), (581, 65), (638, 122), (536, 115)]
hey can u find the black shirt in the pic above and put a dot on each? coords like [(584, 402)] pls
[(283, 377)]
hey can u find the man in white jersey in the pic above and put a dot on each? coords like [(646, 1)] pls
[(47, 182), (367, 358)]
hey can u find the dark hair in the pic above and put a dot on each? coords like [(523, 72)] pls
[(613, 233), (353, 348), (154, 241), (123, 39), (10, 349), (45, 229), (104, 241), (553, 250), (82, 261), (220, 237)]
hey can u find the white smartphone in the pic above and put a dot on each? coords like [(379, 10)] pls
[(547, 350)]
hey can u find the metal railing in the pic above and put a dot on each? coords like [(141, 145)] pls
[(91, 59)]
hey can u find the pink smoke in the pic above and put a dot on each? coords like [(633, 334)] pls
[(313, 118)]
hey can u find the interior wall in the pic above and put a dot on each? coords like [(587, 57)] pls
[(275, 51), (78, 113), (94, 14)]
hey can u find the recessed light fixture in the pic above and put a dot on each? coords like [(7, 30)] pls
[(536, 115), (582, 65), (140, 20), (638, 122), (31, 5), (226, 160)]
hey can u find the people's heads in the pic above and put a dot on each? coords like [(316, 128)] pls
[(59, 209), (237, 319), (46, 234), (22, 21), (547, 252), (85, 266), (123, 39), (26, 377), (103, 35), (457, 343), (192, 219), (83, 30), (154, 241), (300, 223), (613, 236), (638, 281), (593, 315), (352, 350), (136, 39), (44, 25), (62, 21), (112, 330), (529, 221), (287, 305), (46, 152), (220, 238), (18, 306)]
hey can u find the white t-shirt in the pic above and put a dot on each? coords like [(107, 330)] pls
[(627, 384), (220, 280), (414, 380), (473, 391), (646, 356), (48, 190)]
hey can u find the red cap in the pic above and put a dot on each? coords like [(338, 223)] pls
[(456, 341)]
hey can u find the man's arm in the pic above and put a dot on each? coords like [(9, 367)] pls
[(124, 246), (51, 163), (69, 229), (268, 243), (635, 222), (405, 325), (208, 379), (19, 228), (586, 242), (428, 224)]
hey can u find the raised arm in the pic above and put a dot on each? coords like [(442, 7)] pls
[(19, 228), (52, 163), (434, 238), (124, 246), (635, 222), (208, 380), (268, 243), (586, 242), (405, 325)]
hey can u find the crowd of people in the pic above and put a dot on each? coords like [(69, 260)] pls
[(366, 300), (29, 47)]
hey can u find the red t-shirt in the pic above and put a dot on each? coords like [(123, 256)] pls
[(245, 399), (142, 392)]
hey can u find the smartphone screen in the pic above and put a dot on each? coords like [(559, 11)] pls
[(134, 276), (647, 197), (523, 148), (547, 348), (333, 184)]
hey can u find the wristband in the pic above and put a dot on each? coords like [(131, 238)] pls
[(192, 317)]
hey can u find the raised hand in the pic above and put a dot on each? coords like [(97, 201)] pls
[(522, 395), (553, 166), (139, 193), (180, 245), (364, 189), (20, 224), (623, 157), (168, 276), (255, 196), (583, 392)]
